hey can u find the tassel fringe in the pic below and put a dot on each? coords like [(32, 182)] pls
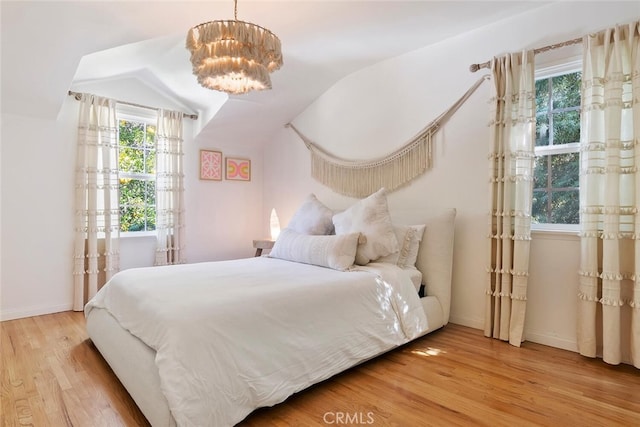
[(361, 178), (234, 56)]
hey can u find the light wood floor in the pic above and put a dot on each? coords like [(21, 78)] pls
[(53, 376)]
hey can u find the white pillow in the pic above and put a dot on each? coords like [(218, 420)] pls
[(401, 233), (370, 217), (312, 217), (409, 238), (411, 246), (337, 252)]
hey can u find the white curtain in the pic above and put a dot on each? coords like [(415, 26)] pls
[(511, 159), (169, 189), (609, 290), (96, 205)]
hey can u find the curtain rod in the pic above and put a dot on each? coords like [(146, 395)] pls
[(475, 67), (78, 95)]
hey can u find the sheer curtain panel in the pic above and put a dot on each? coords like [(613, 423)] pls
[(169, 189), (609, 289), (512, 130), (96, 205)]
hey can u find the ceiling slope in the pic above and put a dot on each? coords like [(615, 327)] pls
[(51, 47)]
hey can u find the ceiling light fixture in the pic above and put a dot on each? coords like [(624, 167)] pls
[(233, 56)]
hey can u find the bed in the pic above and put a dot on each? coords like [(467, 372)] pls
[(277, 341)]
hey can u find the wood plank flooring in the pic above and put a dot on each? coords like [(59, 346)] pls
[(52, 375)]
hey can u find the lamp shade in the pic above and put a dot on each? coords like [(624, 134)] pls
[(274, 224)]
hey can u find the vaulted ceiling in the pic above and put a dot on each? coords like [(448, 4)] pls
[(51, 47)]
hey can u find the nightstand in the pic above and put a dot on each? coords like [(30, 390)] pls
[(262, 244)]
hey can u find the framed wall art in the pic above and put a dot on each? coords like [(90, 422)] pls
[(238, 169), (211, 165)]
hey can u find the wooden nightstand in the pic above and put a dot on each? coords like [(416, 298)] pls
[(262, 244)]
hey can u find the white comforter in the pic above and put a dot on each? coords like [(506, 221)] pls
[(233, 336)]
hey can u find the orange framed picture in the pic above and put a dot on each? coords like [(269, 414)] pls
[(238, 169)]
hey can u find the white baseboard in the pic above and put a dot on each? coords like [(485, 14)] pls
[(551, 341), (467, 321), (19, 313), (536, 337)]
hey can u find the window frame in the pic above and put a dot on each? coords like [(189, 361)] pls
[(148, 117), (566, 66)]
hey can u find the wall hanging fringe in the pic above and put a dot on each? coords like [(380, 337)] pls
[(359, 179)]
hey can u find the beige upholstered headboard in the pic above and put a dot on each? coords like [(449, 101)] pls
[(435, 258)]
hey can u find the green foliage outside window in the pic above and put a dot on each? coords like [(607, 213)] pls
[(556, 176), (558, 203), (136, 164)]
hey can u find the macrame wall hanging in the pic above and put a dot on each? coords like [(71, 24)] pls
[(360, 178)]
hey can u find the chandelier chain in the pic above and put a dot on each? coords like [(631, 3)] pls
[(235, 10)]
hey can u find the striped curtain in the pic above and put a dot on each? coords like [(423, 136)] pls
[(169, 189), (511, 159), (97, 226), (609, 287)]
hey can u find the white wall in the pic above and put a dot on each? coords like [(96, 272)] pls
[(37, 214), (37, 178), (377, 109), (224, 216)]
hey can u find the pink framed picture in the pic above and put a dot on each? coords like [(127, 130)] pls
[(238, 169), (211, 165)]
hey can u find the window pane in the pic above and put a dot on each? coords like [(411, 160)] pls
[(151, 136), (556, 177), (132, 218), (566, 90), (542, 130), (131, 134), (565, 207), (151, 192), (539, 210), (150, 156), (540, 172), (137, 156), (137, 205), (565, 170), (542, 96), (131, 160), (132, 191), (151, 217), (566, 127)]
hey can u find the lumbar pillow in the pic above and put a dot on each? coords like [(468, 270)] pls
[(337, 252), (370, 217), (312, 217)]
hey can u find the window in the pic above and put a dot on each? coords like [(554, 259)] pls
[(136, 165), (557, 163)]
